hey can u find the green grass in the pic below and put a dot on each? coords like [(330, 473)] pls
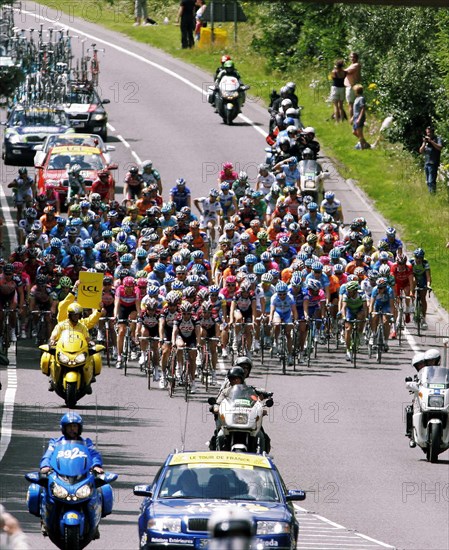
[(389, 175)]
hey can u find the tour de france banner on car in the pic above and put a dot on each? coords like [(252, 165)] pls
[(90, 289)]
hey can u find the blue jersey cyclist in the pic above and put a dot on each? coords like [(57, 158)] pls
[(180, 194), (382, 301), (395, 245), (283, 310), (354, 308)]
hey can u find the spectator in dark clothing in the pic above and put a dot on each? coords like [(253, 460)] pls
[(431, 149), (186, 17)]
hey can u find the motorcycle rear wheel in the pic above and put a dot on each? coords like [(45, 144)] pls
[(70, 395), (72, 537), (434, 443)]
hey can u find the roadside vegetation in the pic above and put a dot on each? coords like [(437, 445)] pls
[(405, 57)]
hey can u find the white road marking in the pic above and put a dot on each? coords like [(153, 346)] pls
[(319, 533), (110, 127), (136, 156), (10, 392), (123, 140)]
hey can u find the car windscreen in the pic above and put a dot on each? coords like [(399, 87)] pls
[(39, 118), (72, 139), (80, 98), (219, 481), (60, 161)]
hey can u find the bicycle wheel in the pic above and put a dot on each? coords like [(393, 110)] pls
[(171, 378), (295, 345), (380, 343), (125, 351), (418, 315), (186, 377), (355, 346), (149, 365), (6, 341), (309, 345), (283, 350), (400, 325), (107, 347), (262, 343)]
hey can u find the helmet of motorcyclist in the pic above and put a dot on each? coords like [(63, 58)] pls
[(291, 86), (286, 104), (74, 309), (418, 360), (309, 130), (432, 357), (236, 373), (229, 66), (71, 418), (246, 364), (308, 154)]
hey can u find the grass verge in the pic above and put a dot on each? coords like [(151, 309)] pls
[(388, 174)]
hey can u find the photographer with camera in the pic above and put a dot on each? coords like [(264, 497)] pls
[(431, 148)]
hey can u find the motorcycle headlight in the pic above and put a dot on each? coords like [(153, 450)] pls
[(240, 418), (231, 95), (173, 525), (63, 358), (436, 401), (84, 491), (272, 527), (59, 491), (80, 358)]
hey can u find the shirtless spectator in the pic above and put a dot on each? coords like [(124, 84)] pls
[(353, 76)]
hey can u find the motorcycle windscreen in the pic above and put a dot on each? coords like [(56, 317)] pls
[(71, 459), (228, 85), (434, 377), (243, 396)]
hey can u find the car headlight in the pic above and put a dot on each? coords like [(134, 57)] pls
[(173, 525), (240, 418), (436, 401), (14, 138), (63, 358), (272, 527), (84, 491), (59, 491), (99, 116), (80, 358)]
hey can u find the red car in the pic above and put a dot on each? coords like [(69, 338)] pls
[(60, 159)]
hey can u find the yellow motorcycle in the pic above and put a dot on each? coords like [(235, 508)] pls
[(72, 366)]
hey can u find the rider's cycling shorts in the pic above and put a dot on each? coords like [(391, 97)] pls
[(152, 331), (247, 315), (109, 310), (351, 314), (8, 300), (334, 296), (189, 341), (282, 317), (210, 332), (382, 308), (124, 311)]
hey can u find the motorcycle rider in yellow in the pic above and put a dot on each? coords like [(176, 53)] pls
[(73, 332)]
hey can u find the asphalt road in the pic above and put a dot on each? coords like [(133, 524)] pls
[(337, 432)]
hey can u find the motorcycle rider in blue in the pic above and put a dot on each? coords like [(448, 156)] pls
[(71, 428)]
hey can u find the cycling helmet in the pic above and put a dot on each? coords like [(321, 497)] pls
[(384, 255), (329, 195), (88, 243), (367, 240), (193, 280), (231, 279), (312, 206), (229, 227), (384, 270), (275, 273), (313, 284), (142, 282), (317, 266), (244, 237), (213, 192), (128, 281), (147, 164), (214, 289), (186, 307), (55, 243), (133, 170), (339, 268), (250, 259), (141, 253), (353, 285), (172, 297), (245, 286), (177, 285), (267, 278), (151, 303), (71, 418), (259, 269), (418, 253), (281, 287), (165, 209), (77, 259), (382, 282), (236, 372), (198, 269), (159, 268), (373, 274), (432, 357), (65, 282), (31, 213), (41, 279), (382, 245), (181, 181), (36, 226), (359, 271), (401, 259), (224, 186), (75, 169), (75, 309), (126, 258), (390, 232)]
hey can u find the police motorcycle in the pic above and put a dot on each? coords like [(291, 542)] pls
[(72, 366), (71, 499), (430, 427), (312, 176), (229, 98), (240, 414)]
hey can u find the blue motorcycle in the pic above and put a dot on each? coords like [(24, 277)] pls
[(71, 499)]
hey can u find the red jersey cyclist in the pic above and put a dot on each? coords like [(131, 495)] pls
[(127, 305)]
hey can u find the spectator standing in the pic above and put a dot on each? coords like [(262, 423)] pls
[(431, 149), (140, 13), (359, 117), (353, 77), (201, 5), (186, 17), (11, 535), (338, 89)]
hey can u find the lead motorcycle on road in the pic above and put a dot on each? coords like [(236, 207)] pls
[(240, 415), (229, 98), (430, 426), (71, 499)]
